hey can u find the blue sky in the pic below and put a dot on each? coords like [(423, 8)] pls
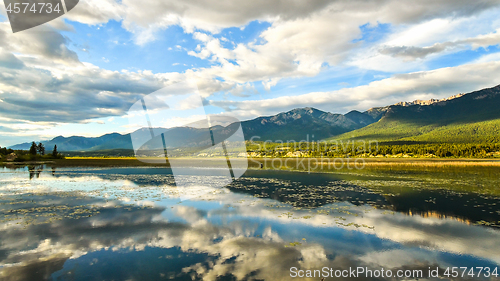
[(79, 74), (111, 47)]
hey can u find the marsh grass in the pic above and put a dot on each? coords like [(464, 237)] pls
[(318, 164)]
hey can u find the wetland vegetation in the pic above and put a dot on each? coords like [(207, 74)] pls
[(85, 218)]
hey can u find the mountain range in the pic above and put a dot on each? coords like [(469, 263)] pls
[(467, 118), (472, 117)]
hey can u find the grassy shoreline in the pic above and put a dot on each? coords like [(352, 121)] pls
[(266, 162)]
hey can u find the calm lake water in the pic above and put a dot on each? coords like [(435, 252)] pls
[(134, 224)]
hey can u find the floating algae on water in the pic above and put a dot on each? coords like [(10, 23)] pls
[(91, 218)]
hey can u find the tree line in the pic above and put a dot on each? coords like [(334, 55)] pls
[(5, 151), (36, 152), (313, 149), (373, 149)]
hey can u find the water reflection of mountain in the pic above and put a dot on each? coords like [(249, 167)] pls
[(117, 242), (298, 189), (315, 190), (305, 190), (124, 242), (432, 214), (41, 248), (469, 208)]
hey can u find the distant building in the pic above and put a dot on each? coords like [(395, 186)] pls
[(295, 154)]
